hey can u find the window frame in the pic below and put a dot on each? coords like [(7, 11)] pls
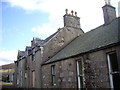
[(33, 57), (111, 73), (80, 82), (53, 75)]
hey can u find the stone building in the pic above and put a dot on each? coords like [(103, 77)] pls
[(70, 58), (7, 72)]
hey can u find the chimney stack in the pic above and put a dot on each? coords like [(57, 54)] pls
[(109, 12), (71, 20)]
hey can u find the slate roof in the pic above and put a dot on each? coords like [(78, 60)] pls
[(8, 66), (21, 53), (48, 38), (40, 42), (99, 37), (28, 48)]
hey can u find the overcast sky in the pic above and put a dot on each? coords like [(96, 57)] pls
[(21, 20)]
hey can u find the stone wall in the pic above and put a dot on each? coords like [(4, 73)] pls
[(60, 40), (95, 65), (65, 72), (96, 70)]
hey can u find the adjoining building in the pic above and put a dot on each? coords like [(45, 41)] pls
[(70, 58), (7, 72)]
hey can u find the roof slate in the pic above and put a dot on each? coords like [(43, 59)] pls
[(48, 38), (101, 36), (21, 53)]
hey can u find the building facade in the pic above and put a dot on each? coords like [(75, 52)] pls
[(70, 58), (7, 72)]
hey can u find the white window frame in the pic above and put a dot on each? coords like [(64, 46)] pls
[(110, 70), (79, 75), (53, 76), (17, 79), (109, 67)]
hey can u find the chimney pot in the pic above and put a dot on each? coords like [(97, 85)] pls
[(75, 13), (66, 11), (71, 20), (72, 12)]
